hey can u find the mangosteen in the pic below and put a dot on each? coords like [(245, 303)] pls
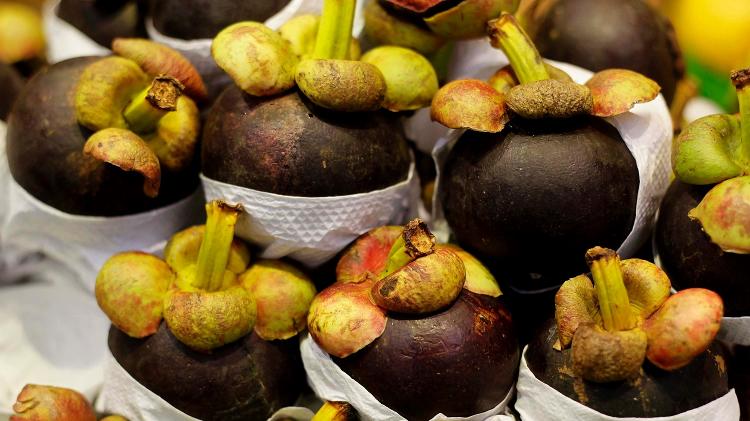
[(604, 330), (12, 83), (104, 20), (652, 393), (65, 106), (227, 346), (329, 137), (287, 145), (608, 34), (689, 256), (447, 344), (246, 380), (459, 361), (702, 235), (533, 195), (205, 18), (538, 176)]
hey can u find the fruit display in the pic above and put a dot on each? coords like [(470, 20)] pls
[(640, 39), (607, 325), (309, 126), (421, 326), (201, 329), (702, 236), (525, 185)]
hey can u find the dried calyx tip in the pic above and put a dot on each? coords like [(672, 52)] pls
[(598, 253), (418, 239), (164, 93), (741, 78)]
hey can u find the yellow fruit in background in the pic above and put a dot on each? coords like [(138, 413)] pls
[(716, 32)]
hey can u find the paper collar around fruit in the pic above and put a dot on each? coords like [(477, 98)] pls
[(716, 149), (627, 315), (318, 55), (134, 104), (391, 269), (204, 289), (532, 89)]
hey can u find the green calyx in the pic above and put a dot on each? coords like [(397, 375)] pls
[(717, 147)]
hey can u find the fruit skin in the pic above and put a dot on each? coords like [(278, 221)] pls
[(71, 181), (12, 83), (459, 361), (286, 145), (103, 21), (689, 257), (530, 199), (205, 18), (654, 393), (639, 39), (247, 380)]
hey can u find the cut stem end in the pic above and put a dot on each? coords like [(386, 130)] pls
[(614, 303), (506, 34), (213, 255)]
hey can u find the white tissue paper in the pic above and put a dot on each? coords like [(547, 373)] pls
[(311, 230), (198, 51), (646, 130), (537, 401), (64, 40), (331, 383), (123, 395)]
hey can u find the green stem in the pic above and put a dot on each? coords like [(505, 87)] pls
[(614, 303), (213, 255), (335, 30), (415, 241), (741, 81), (151, 104), (506, 34)]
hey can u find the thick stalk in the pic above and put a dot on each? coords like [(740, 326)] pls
[(213, 255), (335, 30), (505, 33), (415, 241), (741, 81), (614, 303), (151, 104)]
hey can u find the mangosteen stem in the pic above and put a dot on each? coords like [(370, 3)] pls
[(213, 255), (505, 33), (741, 81), (335, 29), (151, 104), (614, 303), (415, 241)]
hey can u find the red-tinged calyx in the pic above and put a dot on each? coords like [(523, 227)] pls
[(368, 256), (469, 104), (343, 319), (48, 403), (724, 215)]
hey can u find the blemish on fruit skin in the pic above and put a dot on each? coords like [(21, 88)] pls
[(721, 363)]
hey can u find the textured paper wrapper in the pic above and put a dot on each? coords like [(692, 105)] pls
[(537, 401), (331, 383), (311, 230), (123, 395), (51, 329), (646, 130), (64, 40), (198, 51)]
